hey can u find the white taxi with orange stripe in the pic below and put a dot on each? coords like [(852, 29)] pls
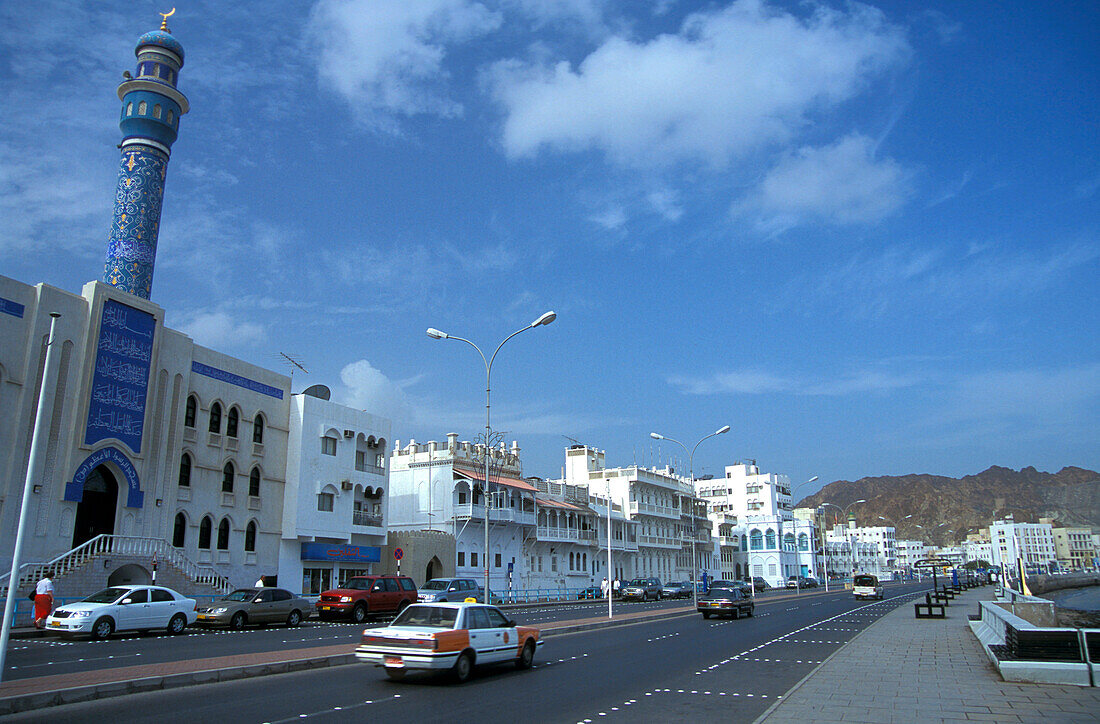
[(448, 636)]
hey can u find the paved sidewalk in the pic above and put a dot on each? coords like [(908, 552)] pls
[(904, 669)]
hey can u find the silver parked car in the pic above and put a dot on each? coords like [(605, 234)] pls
[(642, 589), (676, 589), (254, 606)]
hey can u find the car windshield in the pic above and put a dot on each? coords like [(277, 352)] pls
[(243, 594), (107, 595), (430, 616), (638, 582), (434, 586), (721, 591), (865, 581)]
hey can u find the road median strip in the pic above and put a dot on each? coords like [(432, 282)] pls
[(59, 689)]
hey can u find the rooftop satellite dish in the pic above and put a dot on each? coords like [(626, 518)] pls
[(321, 392)]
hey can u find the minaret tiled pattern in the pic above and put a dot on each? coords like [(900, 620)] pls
[(151, 109)]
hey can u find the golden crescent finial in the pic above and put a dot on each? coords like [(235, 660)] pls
[(164, 19)]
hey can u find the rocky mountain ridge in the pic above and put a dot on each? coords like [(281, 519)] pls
[(925, 507)]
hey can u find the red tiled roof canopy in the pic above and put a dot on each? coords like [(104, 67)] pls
[(497, 479), (549, 503)]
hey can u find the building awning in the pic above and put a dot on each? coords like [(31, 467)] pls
[(550, 503), (508, 481)]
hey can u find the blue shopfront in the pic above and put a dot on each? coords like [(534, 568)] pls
[(329, 565)]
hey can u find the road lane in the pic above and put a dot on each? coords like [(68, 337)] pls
[(733, 669)]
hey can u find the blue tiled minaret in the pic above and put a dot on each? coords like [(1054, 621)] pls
[(151, 110)]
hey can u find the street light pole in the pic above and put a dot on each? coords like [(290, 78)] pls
[(34, 472), (852, 540), (691, 478), (544, 319)]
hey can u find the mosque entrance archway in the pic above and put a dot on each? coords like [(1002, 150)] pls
[(95, 513)]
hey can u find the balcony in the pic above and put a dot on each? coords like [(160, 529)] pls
[(368, 468), (637, 508), (565, 535), (500, 515), (656, 541), (367, 518), (732, 541)]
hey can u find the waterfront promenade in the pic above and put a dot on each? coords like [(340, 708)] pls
[(904, 669)]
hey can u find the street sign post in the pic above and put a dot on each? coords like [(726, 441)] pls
[(398, 554)]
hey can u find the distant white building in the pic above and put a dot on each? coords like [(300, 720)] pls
[(758, 535), (880, 537), (1031, 542), (1073, 548), (909, 552), (334, 514)]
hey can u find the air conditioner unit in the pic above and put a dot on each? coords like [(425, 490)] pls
[(348, 434), (345, 485)]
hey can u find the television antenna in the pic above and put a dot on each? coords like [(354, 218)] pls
[(292, 362)]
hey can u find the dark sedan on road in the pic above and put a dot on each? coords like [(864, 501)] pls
[(254, 606), (725, 602)]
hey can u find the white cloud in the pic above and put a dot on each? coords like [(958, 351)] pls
[(758, 382), (666, 202), (218, 330), (387, 56), (729, 82), (610, 218), (842, 183), (367, 388)]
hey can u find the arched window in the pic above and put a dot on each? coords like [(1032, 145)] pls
[(788, 541), (570, 560), (130, 108), (143, 108), (216, 417), (156, 111), (770, 539), (258, 429), (756, 540), (204, 533), (190, 411), (185, 471), (170, 118), (231, 422), (179, 531), (744, 542), (803, 542), (227, 478), (223, 535), (250, 537), (254, 483)]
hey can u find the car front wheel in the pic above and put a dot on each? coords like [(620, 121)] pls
[(359, 613), (102, 628), (177, 625)]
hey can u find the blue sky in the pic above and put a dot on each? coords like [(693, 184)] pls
[(865, 236)]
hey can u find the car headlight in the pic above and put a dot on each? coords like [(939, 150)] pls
[(345, 599), (80, 614), (220, 610)]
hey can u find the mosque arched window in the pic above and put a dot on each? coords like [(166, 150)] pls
[(170, 118), (130, 108), (156, 111), (143, 108)]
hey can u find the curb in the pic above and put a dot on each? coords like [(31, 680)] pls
[(91, 692)]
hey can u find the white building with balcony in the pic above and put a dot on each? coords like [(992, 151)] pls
[(441, 487), (882, 537), (758, 534), (909, 552), (334, 513), (668, 518)]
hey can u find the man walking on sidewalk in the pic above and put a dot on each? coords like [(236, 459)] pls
[(43, 601)]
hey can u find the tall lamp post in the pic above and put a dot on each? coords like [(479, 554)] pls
[(544, 319), (691, 477)]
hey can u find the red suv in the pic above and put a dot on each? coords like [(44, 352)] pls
[(364, 596)]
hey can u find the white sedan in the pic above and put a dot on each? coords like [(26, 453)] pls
[(125, 608)]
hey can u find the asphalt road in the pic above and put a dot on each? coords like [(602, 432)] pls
[(675, 668)]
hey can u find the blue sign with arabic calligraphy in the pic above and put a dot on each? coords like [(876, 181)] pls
[(340, 552), (120, 382)]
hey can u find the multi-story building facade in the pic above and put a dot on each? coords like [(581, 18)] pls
[(442, 487), (909, 552), (758, 534), (334, 514), (1033, 543), (880, 537), (668, 518), (1073, 548)]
